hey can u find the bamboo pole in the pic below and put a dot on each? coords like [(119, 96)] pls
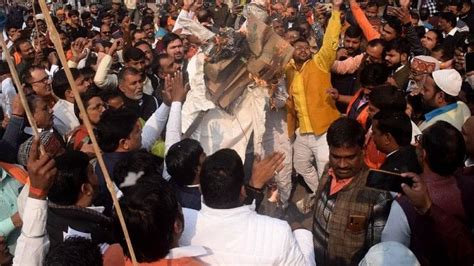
[(21, 92), (54, 36)]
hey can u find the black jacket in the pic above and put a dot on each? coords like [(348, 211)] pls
[(403, 160), (63, 218)]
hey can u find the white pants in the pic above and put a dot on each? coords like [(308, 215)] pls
[(274, 139), (311, 154)]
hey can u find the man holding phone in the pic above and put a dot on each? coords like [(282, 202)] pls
[(348, 217), (442, 150)]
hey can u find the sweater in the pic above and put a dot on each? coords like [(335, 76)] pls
[(308, 99)]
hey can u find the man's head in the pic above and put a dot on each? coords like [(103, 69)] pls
[(93, 104), (168, 65), (174, 46), (391, 30), (431, 39), (373, 75), (292, 35), (134, 57), (302, 52), (74, 251), (61, 87), (145, 47), (184, 160), (75, 183), (222, 179), (278, 27), (131, 83), (42, 113), (36, 78), (13, 32), (74, 16), (65, 41), (371, 10), (138, 35), (112, 98), (443, 148), (105, 32), (148, 28), (441, 88), (387, 98), (397, 52), (152, 215), (468, 134), (391, 130), (25, 49), (447, 21), (352, 40), (375, 51), (86, 18), (119, 131), (93, 8), (42, 27), (346, 138)]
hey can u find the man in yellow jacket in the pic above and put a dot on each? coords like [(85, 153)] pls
[(310, 109)]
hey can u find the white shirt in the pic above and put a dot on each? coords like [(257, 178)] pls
[(7, 96), (397, 227), (240, 235), (64, 118)]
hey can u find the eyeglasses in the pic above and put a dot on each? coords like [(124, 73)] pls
[(44, 80)]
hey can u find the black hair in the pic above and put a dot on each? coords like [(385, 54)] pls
[(86, 15), (374, 74), (4, 69), (448, 53), (372, 3), (394, 24), (302, 40), (397, 124), (115, 125), (61, 84), (203, 15), (136, 162), (86, 97), (424, 13), (449, 17), (146, 21), (439, 35), (168, 38), (74, 12), (108, 94), (32, 100), (222, 177), (400, 45), (344, 133), (445, 148), (354, 32), (142, 42), (18, 43), (183, 160), (74, 251), (134, 54), (388, 97), (128, 71), (72, 174), (150, 213)]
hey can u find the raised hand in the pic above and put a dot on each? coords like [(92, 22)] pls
[(41, 170), (264, 170), (126, 24), (5, 256), (417, 194)]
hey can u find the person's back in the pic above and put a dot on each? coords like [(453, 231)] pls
[(234, 232)]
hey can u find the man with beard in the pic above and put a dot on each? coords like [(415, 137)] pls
[(174, 47), (396, 58), (440, 92), (310, 109), (420, 67), (149, 29)]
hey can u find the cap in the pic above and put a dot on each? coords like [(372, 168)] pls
[(424, 64), (51, 143), (448, 80), (389, 254)]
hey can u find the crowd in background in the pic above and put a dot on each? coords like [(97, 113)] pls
[(205, 144)]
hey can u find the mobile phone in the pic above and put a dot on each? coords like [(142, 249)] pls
[(388, 181)]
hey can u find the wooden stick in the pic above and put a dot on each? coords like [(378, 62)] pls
[(54, 36), (19, 86)]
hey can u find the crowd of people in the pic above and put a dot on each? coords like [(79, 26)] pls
[(209, 114)]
